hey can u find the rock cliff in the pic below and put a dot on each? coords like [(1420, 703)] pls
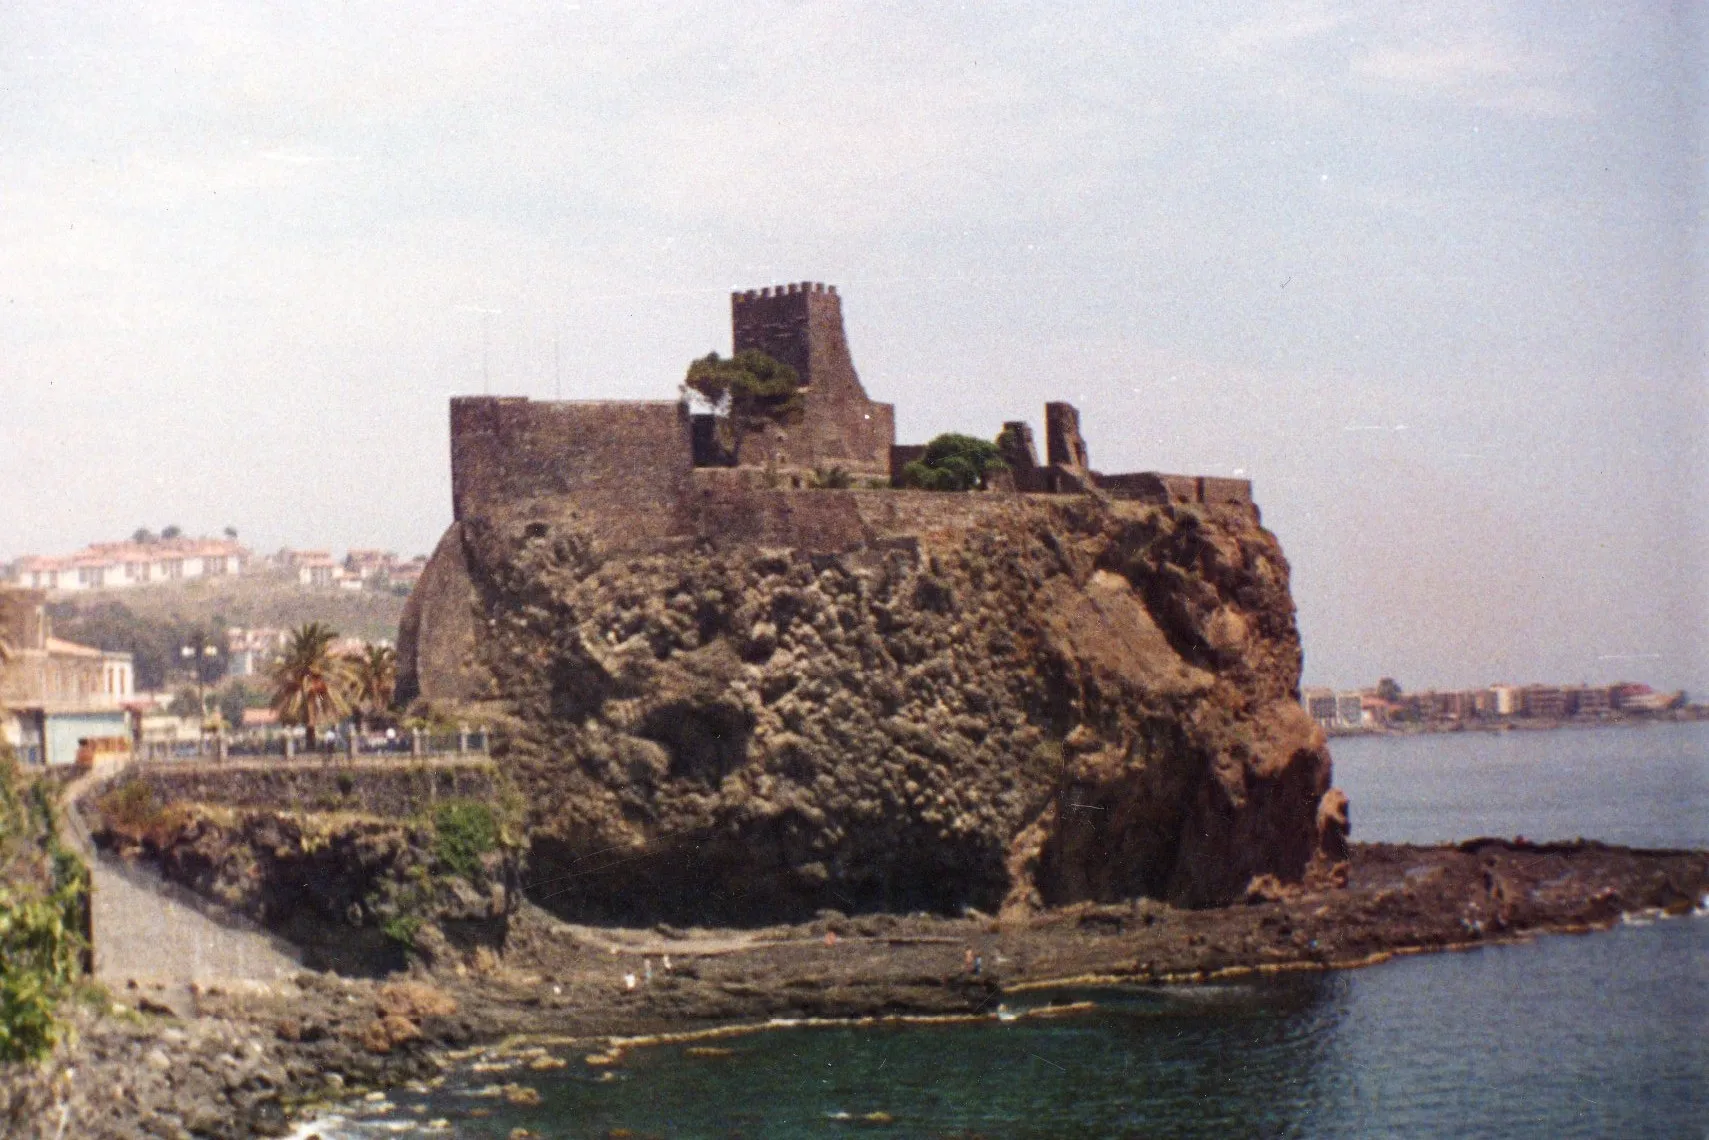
[(359, 893), (989, 701)]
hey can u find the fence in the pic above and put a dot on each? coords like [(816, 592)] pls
[(411, 743)]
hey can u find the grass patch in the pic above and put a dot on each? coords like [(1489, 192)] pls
[(464, 830)]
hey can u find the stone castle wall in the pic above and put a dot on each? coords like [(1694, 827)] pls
[(646, 476), (618, 459), (725, 508)]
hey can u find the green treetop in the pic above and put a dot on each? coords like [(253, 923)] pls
[(750, 390), (954, 462)]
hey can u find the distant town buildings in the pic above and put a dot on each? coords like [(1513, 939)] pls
[(250, 651), (1370, 710), (117, 565), (359, 569)]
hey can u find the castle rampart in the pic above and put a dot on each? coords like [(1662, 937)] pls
[(629, 463), (614, 459), (647, 476)]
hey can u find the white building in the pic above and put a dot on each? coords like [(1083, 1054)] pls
[(316, 568)]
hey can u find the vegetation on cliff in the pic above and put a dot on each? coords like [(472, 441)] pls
[(750, 390), (43, 895), (359, 892), (954, 462)]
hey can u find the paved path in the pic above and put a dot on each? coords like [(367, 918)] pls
[(160, 936)]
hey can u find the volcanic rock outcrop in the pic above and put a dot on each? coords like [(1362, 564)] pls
[(1046, 700), (734, 694)]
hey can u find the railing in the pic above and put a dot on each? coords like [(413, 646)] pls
[(416, 743)]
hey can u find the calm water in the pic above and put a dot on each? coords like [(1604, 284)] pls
[(1644, 786), (1569, 1036)]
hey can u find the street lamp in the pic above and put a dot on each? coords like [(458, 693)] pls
[(199, 654)]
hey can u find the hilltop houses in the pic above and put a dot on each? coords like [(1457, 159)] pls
[(117, 565)]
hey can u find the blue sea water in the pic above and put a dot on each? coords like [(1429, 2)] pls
[(1642, 785), (1587, 1036)]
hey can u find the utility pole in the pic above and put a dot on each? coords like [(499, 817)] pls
[(487, 316)]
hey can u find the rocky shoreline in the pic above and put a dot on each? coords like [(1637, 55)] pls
[(254, 1057)]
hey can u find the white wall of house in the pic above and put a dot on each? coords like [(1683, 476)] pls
[(117, 676)]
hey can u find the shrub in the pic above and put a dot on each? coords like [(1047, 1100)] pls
[(953, 462), (38, 962), (43, 888), (132, 811), (464, 831), (831, 479), (402, 928)]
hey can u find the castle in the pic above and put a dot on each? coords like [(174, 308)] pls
[(658, 468), (653, 477)]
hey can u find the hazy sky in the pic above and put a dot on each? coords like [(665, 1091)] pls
[(1430, 275)]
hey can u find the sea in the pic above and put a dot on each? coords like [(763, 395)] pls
[(1600, 1035)]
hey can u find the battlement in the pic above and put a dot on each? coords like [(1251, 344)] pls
[(800, 324), (773, 292)]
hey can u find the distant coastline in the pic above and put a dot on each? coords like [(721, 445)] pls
[(1688, 714)]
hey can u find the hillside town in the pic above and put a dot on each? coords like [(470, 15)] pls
[(60, 700), (171, 557), (1386, 708), (85, 665)]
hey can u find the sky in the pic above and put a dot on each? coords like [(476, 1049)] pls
[(1432, 276)]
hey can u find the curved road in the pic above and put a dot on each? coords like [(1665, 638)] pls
[(148, 932)]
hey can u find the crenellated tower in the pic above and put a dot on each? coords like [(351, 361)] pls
[(801, 325)]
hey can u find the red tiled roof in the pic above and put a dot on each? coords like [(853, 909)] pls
[(69, 648)]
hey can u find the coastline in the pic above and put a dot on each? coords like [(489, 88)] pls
[(252, 1058), (1691, 714)]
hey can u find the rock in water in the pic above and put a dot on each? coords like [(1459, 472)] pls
[(995, 701)]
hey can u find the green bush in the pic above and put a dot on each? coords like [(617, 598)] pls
[(402, 928), (464, 831), (953, 462), (43, 887), (132, 811), (39, 956)]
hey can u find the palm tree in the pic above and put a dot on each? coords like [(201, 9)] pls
[(375, 672), (311, 684)]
